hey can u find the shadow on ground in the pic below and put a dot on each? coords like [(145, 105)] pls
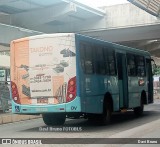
[(120, 122)]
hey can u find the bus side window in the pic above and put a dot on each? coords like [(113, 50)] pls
[(109, 56), (88, 60), (131, 65), (99, 61), (111, 59), (140, 66), (82, 56), (105, 50)]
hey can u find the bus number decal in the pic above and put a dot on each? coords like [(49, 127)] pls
[(73, 107)]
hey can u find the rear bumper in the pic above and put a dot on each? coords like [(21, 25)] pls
[(73, 106)]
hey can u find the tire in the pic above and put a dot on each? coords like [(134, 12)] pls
[(105, 118), (138, 111), (54, 119)]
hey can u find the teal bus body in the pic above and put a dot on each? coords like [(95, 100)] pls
[(92, 101), (125, 83)]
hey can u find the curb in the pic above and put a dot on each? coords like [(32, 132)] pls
[(10, 118)]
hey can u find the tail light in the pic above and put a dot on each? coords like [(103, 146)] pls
[(15, 95), (71, 90)]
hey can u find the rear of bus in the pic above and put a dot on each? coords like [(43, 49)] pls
[(43, 77)]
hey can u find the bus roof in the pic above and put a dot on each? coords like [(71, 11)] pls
[(132, 49), (43, 36), (114, 45)]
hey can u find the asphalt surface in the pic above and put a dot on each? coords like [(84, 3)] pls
[(125, 125)]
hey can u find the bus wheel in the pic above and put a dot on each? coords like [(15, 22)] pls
[(138, 111), (106, 116), (54, 119)]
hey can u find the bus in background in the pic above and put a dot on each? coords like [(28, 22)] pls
[(71, 75)]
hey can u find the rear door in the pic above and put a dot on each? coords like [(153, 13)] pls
[(149, 80), (122, 80)]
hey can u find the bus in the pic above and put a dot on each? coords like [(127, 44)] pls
[(68, 75)]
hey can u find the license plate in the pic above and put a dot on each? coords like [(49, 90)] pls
[(42, 100)]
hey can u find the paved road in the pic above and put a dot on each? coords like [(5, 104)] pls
[(123, 126)]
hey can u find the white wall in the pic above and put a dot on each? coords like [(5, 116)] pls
[(4, 61), (124, 15)]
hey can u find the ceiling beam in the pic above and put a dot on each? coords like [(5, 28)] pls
[(156, 54), (42, 15), (75, 26), (150, 6), (146, 42), (155, 48), (11, 33), (95, 11), (3, 2)]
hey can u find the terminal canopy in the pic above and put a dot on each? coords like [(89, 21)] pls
[(151, 6)]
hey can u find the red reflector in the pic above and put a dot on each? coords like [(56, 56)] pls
[(71, 83), (13, 86), (61, 109), (15, 95), (14, 92), (71, 89)]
